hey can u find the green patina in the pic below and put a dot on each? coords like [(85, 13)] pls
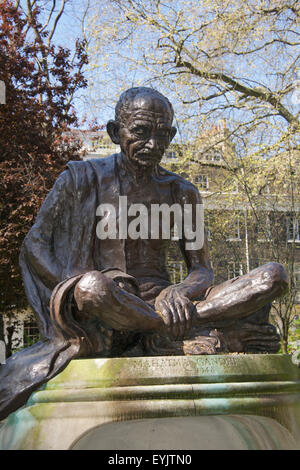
[(37, 435), (88, 373), (23, 429)]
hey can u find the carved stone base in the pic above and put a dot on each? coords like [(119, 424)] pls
[(199, 402)]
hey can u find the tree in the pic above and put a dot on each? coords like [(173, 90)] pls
[(220, 57), (41, 81)]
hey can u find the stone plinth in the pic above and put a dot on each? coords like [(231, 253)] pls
[(197, 402)]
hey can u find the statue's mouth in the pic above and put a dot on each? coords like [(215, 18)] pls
[(145, 155), (148, 156)]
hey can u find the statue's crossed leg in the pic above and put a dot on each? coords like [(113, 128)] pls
[(230, 306)]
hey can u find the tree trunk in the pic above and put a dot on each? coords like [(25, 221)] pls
[(284, 345)]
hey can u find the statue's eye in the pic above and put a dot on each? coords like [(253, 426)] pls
[(162, 133), (141, 131)]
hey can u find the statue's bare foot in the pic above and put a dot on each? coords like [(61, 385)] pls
[(210, 344), (251, 338)]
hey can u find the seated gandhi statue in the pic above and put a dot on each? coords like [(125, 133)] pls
[(111, 296)]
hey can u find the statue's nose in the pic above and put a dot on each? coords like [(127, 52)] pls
[(152, 143)]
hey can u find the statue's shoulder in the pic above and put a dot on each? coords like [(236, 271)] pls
[(104, 163), (84, 171), (182, 186), (96, 163)]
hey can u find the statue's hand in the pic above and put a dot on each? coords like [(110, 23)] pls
[(176, 311)]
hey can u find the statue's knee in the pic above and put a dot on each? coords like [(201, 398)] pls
[(277, 277), (91, 287)]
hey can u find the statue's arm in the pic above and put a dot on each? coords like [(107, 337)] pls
[(43, 256), (200, 273), (175, 302), (39, 253)]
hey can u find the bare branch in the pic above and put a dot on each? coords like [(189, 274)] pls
[(62, 7), (263, 46), (49, 17), (237, 86)]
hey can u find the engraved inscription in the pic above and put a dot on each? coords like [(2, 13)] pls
[(204, 365)]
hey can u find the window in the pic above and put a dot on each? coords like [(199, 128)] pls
[(297, 283), (235, 232), (177, 271), (214, 155), (263, 230), (202, 181), (235, 187), (31, 333), (234, 269), (171, 155), (103, 145), (293, 229)]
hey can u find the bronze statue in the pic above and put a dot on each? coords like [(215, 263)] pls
[(110, 297)]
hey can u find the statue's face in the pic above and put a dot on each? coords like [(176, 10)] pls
[(146, 131)]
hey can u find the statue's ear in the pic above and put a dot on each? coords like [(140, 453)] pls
[(173, 133), (112, 128)]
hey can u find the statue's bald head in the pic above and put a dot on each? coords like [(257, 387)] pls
[(142, 126), (136, 97)]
